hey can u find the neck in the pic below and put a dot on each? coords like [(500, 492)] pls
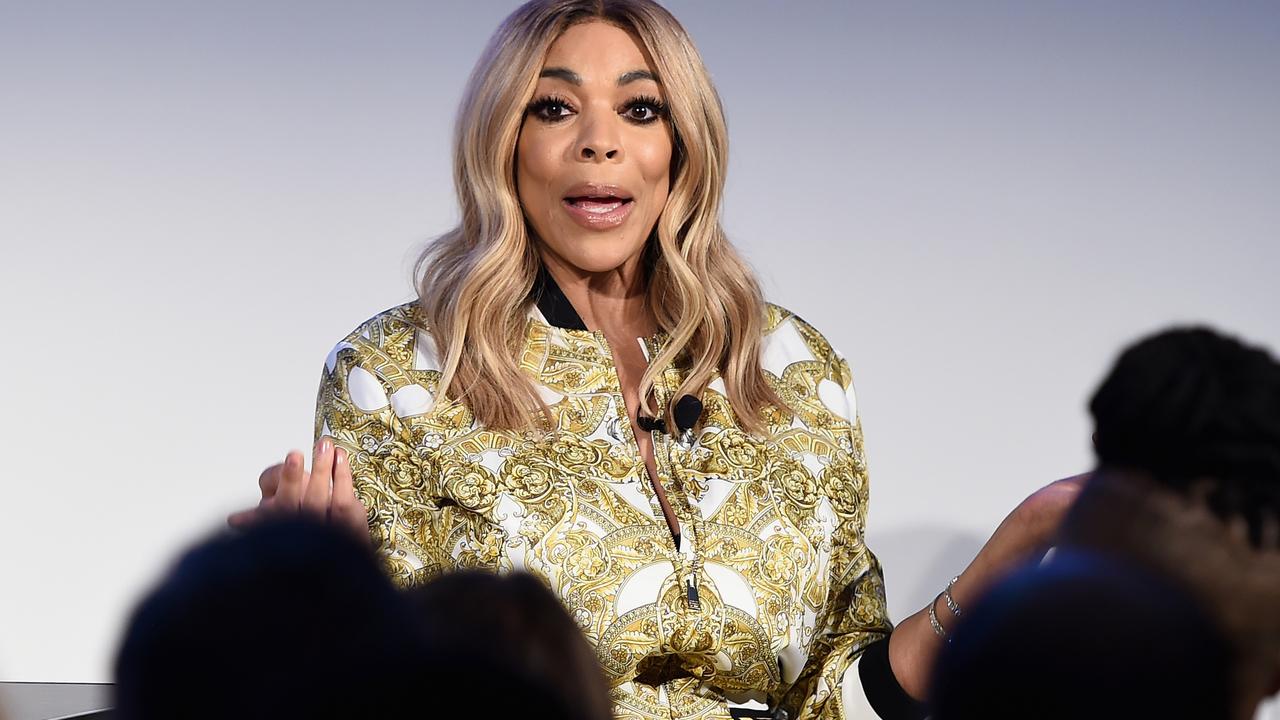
[(614, 302)]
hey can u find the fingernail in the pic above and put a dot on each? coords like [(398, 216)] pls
[(341, 456), (325, 445)]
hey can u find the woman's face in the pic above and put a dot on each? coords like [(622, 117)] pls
[(594, 153)]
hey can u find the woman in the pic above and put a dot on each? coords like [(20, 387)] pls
[(590, 388)]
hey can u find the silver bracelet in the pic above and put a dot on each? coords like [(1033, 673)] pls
[(933, 620), (951, 602)]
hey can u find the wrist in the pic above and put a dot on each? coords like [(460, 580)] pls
[(883, 688), (905, 653)]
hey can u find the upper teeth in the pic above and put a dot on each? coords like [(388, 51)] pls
[(599, 205)]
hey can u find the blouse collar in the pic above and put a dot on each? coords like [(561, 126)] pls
[(550, 300), (551, 310)]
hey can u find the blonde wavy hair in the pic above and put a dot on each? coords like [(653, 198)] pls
[(474, 282)]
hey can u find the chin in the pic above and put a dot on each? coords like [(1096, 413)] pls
[(595, 254)]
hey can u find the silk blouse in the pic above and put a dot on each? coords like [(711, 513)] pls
[(771, 595)]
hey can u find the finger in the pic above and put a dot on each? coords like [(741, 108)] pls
[(269, 480), (343, 504), (345, 508), (243, 519), (344, 491), (316, 498), (293, 482)]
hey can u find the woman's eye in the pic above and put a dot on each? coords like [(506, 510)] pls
[(641, 111), (644, 112), (550, 109), (555, 110)]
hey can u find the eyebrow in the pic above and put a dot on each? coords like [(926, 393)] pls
[(574, 78)]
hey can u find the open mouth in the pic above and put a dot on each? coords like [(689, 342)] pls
[(597, 204)]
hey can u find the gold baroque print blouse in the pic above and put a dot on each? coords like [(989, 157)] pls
[(770, 597)]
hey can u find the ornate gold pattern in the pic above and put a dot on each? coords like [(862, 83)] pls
[(789, 592)]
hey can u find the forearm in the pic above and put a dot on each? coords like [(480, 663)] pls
[(914, 645)]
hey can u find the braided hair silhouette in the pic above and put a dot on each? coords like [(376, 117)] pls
[(1191, 404)]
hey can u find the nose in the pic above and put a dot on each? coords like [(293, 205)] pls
[(599, 139)]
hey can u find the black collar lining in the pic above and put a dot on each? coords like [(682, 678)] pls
[(553, 304)]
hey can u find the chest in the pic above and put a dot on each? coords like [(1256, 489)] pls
[(578, 508), (598, 473)]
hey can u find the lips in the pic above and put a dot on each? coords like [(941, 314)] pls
[(598, 206)]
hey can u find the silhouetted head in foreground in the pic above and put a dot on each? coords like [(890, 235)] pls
[(289, 619), (1190, 406), (516, 620), (297, 620), (1188, 485), (1084, 636)]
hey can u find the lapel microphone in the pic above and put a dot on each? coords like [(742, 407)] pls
[(686, 413)]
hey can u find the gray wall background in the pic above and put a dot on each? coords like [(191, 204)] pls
[(979, 203)]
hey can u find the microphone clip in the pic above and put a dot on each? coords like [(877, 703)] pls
[(686, 413), (649, 424)]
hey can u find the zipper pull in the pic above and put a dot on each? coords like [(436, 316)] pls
[(691, 592)]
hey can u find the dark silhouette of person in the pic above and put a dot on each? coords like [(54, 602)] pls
[(1164, 597), (295, 619), (1084, 636), (1187, 434), (517, 619)]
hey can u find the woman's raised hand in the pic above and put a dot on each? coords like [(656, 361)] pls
[(327, 492)]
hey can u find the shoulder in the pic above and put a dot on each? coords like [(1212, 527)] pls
[(789, 339), (396, 339), (389, 359), (812, 375)]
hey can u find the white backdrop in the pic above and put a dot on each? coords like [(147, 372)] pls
[(978, 205)]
